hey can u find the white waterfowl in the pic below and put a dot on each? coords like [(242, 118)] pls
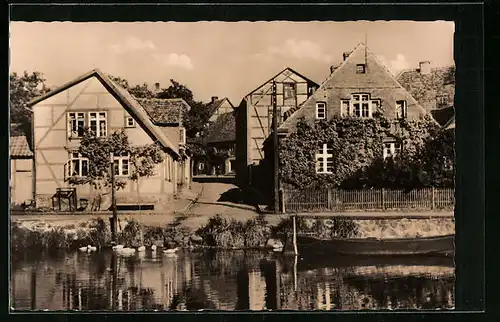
[(83, 249), (153, 248), (118, 247), (141, 248), (171, 250), (92, 248)]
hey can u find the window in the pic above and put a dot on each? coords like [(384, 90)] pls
[(360, 68), (362, 105), (324, 159), (448, 164), (97, 123), (442, 100), (129, 121), (77, 166), (391, 149), (121, 165), (76, 124), (401, 110), (320, 110)]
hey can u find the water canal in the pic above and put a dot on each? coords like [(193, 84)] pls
[(231, 280)]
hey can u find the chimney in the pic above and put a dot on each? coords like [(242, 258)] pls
[(424, 67), (157, 87), (346, 54), (214, 98)]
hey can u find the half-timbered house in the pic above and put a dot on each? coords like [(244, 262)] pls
[(93, 100), (255, 114)]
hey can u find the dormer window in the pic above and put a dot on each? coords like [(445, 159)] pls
[(360, 68), (320, 110), (401, 110)]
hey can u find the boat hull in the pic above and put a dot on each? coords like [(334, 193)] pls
[(436, 245)]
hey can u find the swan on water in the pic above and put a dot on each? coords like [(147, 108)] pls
[(83, 249), (118, 247), (171, 250), (141, 248), (153, 248)]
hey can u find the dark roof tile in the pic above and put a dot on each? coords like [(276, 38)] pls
[(19, 147), (164, 111)]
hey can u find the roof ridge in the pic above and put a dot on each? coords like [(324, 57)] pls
[(321, 85)]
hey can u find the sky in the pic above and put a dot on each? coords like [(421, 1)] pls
[(224, 59)]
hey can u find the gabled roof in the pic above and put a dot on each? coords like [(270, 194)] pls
[(281, 72), (223, 129), (425, 88), (19, 147), (165, 111), (344, 79), (213, 106), (133, 107)]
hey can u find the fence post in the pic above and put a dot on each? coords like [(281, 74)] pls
[(329, 198), (383, 199), (433, 205)]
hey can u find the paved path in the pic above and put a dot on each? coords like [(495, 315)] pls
[(209, 204)]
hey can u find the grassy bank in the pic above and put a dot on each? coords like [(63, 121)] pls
[(218, 232)]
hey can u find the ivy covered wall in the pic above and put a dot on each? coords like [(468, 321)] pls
[(358, 161)]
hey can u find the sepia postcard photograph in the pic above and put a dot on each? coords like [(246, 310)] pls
[(232, 166)]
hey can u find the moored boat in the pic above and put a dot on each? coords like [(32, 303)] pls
[(435, 245)]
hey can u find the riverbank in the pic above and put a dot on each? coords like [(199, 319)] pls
[(219, 232)]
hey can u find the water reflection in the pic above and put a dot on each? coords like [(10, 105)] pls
[(234, 280)]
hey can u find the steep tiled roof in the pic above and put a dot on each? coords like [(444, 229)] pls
[(19, 147), (213, 106), (164, 111), (426, 88), (126, 99), (344, 81), (223, 129)]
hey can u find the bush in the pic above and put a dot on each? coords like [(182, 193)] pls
[(99, 234), (131, 234), (224, 233), (57, 239)]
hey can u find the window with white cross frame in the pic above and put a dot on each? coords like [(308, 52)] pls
[(324, 159)]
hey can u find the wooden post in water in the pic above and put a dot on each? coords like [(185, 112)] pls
[(290, 248), (295, 251)]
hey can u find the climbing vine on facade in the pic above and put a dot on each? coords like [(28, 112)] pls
[(357, 147)]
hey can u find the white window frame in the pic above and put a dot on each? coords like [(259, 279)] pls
[(97, 117), (401, 110), (391, 149), (121, 165), (76, 159), (129, 121), (320, 115), (324, 160), (76, 120), (361, 105)]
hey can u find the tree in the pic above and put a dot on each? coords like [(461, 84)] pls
[(197, 118), (24, 88), (98, 151)]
